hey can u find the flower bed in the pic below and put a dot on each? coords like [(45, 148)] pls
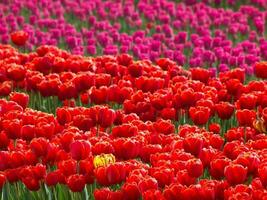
[(111, 127)]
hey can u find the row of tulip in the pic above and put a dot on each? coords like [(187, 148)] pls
[(192, 35), (116, 128)]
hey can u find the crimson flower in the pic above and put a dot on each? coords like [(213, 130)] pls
[(199, 115), (76, 183), (19, 37), (235, 174)]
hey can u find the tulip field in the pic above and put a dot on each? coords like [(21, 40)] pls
[(133, 100)]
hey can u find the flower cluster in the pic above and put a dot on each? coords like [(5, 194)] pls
[(125, 129), (192, 34)]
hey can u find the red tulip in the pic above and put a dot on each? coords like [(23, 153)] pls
[(12, 175), (216, 141), (67, 91), (67, 167), (126, 148), (124, 130), (135, 69), (200, 74), (147, 183), (102, 147), (63, 115), (199, 115), (19, 37), (39, 146), (16, 72), (130, 191), (215, 128), (194, 167), (260, 70), (99, 96), (80, 149), (173, 192), (184, 178), (193, 145), (125, 59), (76, 183), (2, 180), (21, 98), (217, 167), (110, 175), (164, 126), (163, 175), (54, 178), (86, 167), (5, 88), (153, 195), (247, 101), (249, 160), (102, 194), (106, 117), (12, 128), (262, 171), (235, 174), (27, 132), (224, 110), (31, 183), (245, 117), (4, 140)]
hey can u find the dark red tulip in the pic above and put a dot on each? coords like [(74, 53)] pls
[(31, 183), (4, 140), (76, 183), (80, 149), (63, 115), (135, 69), (27, 132)]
